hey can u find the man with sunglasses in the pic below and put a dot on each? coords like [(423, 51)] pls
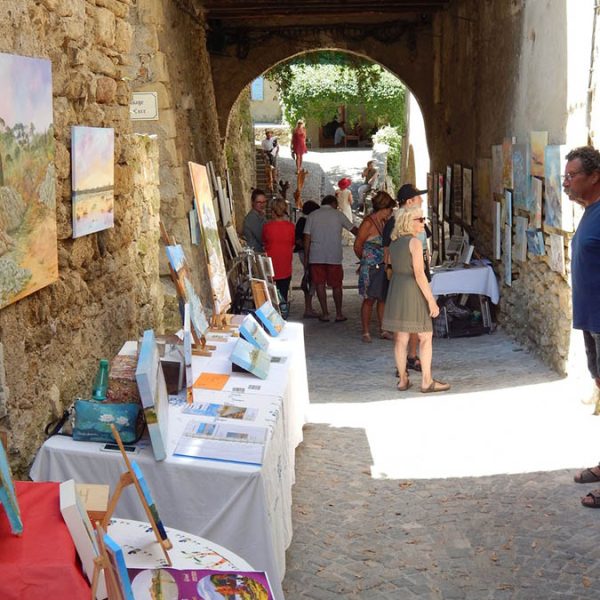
[(581, 183)]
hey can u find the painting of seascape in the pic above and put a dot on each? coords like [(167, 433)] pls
[(93, 173), (28, 246)]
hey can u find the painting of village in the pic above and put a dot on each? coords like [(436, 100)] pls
[(210, 237), (93, 173), (28, 246)]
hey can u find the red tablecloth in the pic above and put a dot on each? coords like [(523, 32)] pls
[(43, 562)]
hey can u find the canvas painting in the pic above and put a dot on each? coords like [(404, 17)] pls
[(149, 500), (521, 175), (507, 208), (539, 141), (252, 332), (116, 558), (483, 190), (178, 263), (558, 208), (448, 193), (251, 359), (557, 253), (535, 242), (507, 164), (8, 497), (211, 238), (497, 169), (270, 319), (535, 202), (429, 193), (28, 243), (467, 195), (457, 200), (440, 196), (93, 179), (497, 222), (520, 247), (507, 255)]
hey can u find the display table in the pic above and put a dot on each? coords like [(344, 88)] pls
[(243, 507), (42, 563), (466, 280)]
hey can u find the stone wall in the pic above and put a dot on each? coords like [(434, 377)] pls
[(107, 291)]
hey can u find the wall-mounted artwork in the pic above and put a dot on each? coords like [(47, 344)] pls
[(448, 193), (440, 196), (93, 179), (507, 255), (520, 247), (507, 209), (483, 189), (507, 164), (535, 202), (558, 208), (210, 238), (497, 169), (535, 242), (557, 253), (521, 165), (539, 141), (497, 223), (467, 195), (429, 193), (457, 200), (28, 246)]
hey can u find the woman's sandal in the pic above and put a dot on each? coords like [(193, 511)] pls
[(414, 363), (406, 386), (366, 338), (436, 386), (591, 475), (591, 500), (386, 335)]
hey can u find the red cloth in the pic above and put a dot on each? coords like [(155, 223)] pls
[(299, 142), (279, 238), (42, 563)]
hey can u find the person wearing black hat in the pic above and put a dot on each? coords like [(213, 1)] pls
[(408, 196)]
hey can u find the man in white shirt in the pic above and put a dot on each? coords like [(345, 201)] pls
[(323, 253), (270, 147)]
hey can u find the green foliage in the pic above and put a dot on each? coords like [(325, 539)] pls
[(392, 137), (314, 85)]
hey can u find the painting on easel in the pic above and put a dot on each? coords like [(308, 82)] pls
[(28, 243), (211, 239), (8, 497)]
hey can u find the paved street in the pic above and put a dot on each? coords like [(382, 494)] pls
[(402, 495)]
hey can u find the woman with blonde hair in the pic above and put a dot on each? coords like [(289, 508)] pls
[(299, 143), (410, 305)]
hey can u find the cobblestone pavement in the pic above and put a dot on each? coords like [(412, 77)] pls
[(402, 495)]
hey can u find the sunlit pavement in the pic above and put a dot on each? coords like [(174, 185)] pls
[(467, 494)]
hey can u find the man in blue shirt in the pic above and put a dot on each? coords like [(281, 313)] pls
[(581, 183)]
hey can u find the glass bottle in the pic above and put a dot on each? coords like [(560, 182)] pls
[(101, 381)]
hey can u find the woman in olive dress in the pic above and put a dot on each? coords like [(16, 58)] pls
[(410, 305)]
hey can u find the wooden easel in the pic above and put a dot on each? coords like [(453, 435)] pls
[(201, 347), (125, 480), (102, 563)]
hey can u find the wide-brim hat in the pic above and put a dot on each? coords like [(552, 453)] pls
[(344, 183), (408, 191)]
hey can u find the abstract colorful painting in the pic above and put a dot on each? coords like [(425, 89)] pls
[(507, 168), (535, 242), (558, 208), (210, 237), (93, 175), (521, 177), (557, 253), (520, 247), (467, 195), (535, 202), (28, 244), (497, 169), (539, 141)]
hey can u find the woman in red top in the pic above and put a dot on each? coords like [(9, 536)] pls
[(278, 238), (299, 143)]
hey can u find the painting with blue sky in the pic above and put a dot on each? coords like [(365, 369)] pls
[(93, 174), (28, 244)]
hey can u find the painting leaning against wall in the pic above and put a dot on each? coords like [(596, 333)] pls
[(28, 243)]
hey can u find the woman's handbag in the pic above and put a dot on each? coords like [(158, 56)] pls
[(378, 282)]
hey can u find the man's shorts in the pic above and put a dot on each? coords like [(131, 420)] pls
[(331, 275), (592, 349)]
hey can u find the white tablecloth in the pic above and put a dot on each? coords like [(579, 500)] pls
[(472, 280), (242, 507)]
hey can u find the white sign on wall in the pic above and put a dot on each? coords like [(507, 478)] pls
[(144, 106)]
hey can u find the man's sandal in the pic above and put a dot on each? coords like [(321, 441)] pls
[(436, 386), (591, 475), (591, 500)]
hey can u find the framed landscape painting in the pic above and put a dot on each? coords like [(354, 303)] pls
[(28, 243), (93, 179), (539, 141), (521, 175)]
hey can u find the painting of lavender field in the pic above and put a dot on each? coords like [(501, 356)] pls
[(93, 173), (28, 246)]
